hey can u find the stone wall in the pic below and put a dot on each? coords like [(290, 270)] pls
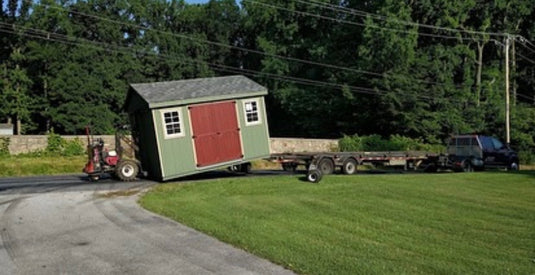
[(293, 145), (26, 144)]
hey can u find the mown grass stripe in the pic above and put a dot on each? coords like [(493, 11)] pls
[(416, 223)]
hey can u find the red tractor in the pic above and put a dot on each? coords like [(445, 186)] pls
[(120, 162)]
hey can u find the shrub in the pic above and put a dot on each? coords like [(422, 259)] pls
[(4, 146), (73, 148), (394, 143), (350, 143), (59, 146)]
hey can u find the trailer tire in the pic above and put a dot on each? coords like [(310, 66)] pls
[(349, 167), (245, 168), (289, 167), (314, 176), (127, 170), (326, 166)]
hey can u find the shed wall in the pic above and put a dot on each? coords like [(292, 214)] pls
[(176, 153), (255, 138), (148, 153)]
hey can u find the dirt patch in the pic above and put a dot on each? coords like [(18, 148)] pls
[(119, 193)]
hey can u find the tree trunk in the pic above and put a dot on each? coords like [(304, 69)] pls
[(480, 47), (19, 127)]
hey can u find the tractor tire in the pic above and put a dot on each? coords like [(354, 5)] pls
[(349, 167), (314, 176), (326, 166), (127, 170)]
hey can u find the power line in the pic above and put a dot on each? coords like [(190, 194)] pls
[(525, 96), (525, 45), (219, 44), (359, 24), (523, 39), (365, 14), (64, 39), (525, 58)]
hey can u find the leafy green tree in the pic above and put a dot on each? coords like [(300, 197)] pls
[(15, 86)]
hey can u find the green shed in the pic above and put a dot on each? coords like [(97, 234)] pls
[(190, 126)]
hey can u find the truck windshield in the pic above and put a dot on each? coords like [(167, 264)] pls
[(497, 144), (487, 143)]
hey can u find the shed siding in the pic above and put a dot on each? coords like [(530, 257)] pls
[(135, 103), (255, 137), (148, 153), (177, 156)]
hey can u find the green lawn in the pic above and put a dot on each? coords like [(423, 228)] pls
[(451, 223), (14, 166)]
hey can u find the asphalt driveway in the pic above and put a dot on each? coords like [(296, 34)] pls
[(57, 226)]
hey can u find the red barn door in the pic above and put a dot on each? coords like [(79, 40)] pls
[(216, 135)]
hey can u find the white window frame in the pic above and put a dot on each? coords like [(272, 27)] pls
[(180, 123), (258, 111)]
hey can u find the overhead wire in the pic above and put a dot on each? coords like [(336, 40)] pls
[(246, 49), (219, 44), (526, 58), (357, 23), (361, 13), (60, 38)]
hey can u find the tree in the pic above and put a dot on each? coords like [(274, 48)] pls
[(15, 87)]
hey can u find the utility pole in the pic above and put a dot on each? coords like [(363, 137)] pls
[(507, 113)]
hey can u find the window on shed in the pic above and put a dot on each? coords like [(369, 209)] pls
[(172, 121), (252, 114)]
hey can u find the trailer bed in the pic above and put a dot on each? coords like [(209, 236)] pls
[(327, 162)]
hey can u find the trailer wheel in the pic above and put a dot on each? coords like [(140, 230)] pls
[(127, 170), (314, 176), (289, 167), (245, 168), (326, 166), (349, 167)]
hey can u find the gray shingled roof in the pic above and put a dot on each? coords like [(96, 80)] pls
[(197, 88)]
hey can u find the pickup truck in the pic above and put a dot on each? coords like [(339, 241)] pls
[(474, 152)]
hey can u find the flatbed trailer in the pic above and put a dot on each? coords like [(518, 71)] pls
[(321, 163)]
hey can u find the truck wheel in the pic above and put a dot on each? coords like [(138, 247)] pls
[(326, 166), (314, 176), (513, 166), (349, 167), (126, 170)]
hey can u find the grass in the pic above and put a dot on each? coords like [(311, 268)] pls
[(452, 223), (14, 166)]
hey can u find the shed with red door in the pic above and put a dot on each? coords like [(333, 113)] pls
[(190, 126)]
